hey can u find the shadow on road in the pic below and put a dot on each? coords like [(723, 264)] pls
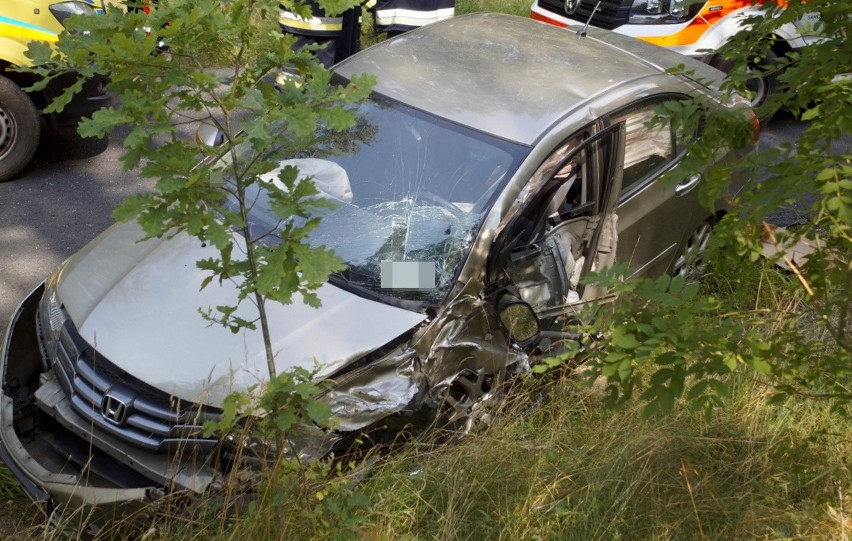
[(56, 205), (65, 144)]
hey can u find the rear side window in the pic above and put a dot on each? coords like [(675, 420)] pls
[(647, 149)]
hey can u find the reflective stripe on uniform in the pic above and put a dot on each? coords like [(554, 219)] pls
[(330, 25), (19, 29), (411, 17)]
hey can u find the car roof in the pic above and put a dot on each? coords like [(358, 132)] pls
[(509, 76)]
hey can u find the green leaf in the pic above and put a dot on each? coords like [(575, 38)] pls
[(731, 361), (132, 207), (811, 114), (318, 412), (625, 370), (661, 376), (624, 339), (697, 390), (760, 365), (285, 421)]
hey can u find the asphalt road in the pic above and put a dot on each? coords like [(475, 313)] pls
[(66, 196), (61, 201)]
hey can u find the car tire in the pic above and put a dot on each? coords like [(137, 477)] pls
[(690, 261), (761, 87), (19, 129)]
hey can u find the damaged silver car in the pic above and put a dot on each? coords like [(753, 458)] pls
[(494, 172)]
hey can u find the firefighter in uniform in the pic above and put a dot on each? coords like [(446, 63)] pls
[(341, 33), (394, 17)]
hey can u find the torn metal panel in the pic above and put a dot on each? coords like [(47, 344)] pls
[(465, 336), (544, 173), (605, 255), (376, 391), (543, 276), (308, 441), (645, 144)]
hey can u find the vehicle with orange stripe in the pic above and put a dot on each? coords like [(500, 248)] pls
[(697, 29), (22, 22)]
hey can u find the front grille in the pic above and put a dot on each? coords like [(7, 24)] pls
[(610, 15), (124, 406)]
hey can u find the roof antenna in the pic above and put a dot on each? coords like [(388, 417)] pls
[(582, 33)]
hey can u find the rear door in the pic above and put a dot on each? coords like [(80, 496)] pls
[(653, 213)]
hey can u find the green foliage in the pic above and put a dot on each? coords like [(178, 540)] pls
[(334, 507), (10, 489), (814, 84), (511, 7), (277, 425), (274, 408), (647, 333), (676, 342), (160, 90)]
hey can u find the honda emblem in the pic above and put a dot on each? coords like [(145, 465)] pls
[(114, 409)]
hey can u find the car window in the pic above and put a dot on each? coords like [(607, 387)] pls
[(569, 179), (647, 149), (410, 191)]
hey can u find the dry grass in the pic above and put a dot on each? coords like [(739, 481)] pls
[(574, 470)]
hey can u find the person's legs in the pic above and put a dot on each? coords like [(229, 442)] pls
[(325, 55), (349, 41)]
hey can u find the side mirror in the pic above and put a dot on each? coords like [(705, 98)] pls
[(210, 135), (518, 320)]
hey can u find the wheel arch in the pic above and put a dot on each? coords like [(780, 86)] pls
[(780, 46), (23, 80)]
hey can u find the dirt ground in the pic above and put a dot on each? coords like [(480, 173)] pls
[(20, 520)]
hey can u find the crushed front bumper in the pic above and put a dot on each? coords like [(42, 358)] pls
[(59, 460)]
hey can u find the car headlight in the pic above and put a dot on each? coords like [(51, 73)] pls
[(52, 317), (63, 10), (664, 11)]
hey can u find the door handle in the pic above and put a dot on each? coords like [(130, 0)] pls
[(682, 189)]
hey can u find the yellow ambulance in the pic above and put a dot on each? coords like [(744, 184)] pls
[(22, 21)]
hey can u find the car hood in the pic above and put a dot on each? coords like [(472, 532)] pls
[(137, 303)]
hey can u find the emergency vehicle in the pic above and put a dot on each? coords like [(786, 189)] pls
[(693, 28), (21, 22)]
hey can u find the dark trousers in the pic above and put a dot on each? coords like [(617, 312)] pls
[(340, 47)]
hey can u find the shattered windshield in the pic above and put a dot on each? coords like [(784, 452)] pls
[(411, 191)]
